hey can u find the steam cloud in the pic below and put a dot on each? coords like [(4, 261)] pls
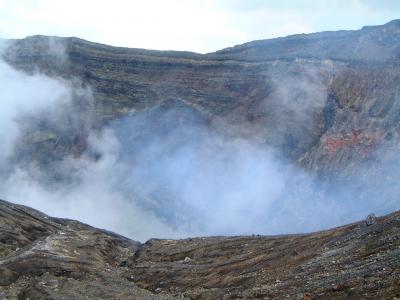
[(143, 179)]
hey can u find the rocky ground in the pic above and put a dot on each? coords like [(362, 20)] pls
[(49, 258)]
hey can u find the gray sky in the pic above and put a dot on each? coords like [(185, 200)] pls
[(193, 25)]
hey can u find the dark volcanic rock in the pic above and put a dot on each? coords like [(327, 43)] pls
[(326, 100), (48, 258)]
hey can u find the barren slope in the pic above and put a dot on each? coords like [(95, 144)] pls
[(44, 257)]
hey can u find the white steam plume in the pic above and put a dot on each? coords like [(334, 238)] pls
[(151, 175)]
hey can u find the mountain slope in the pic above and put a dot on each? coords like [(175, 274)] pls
[(44, 257), (371, 43)]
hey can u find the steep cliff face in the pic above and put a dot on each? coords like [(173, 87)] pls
[(327, 100), (48, 258)]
